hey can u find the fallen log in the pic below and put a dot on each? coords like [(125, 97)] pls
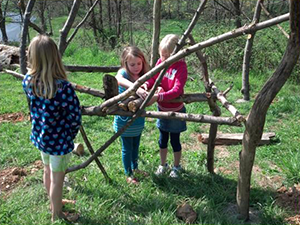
[(235, 138), (9, 55), (90, 69)]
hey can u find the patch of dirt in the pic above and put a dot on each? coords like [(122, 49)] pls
[(194, 145), (232, 212), (289, 198), (222, 152), (13, 117), (11, 177), (230, 169)]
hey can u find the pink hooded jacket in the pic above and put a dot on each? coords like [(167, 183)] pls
[(173, 84)]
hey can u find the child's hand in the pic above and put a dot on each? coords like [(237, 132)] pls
[(153, 99), (144, 86), (142, 93), (159, 90)]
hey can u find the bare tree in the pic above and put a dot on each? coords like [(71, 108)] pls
[(62, 45), (156, 31), (42, 6), (2, 22), (22, 8), (130, 23), (94, 23), (247, 55), (237, 12), (257, 116), (27, 14), (109, 14)]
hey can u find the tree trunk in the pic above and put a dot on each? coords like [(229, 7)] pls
[(237, 12), (27, 14), (101, 21), (156, 32), (247, 55), (30, 24), (41, 13), (109, 14), (118, 4), (49, 21), (130, 23), (94, 24), (62, 45), (2, 22), (257, 115), (81, 22)]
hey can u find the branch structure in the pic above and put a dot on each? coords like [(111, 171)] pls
[(92, 111), (204, 44), (226, 104)]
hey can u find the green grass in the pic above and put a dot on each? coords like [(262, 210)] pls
[(155, 200)]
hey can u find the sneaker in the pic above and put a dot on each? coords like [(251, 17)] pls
[(175, 172), (161, 170)]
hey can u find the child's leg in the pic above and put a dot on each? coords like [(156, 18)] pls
[(46, 175), (127, 154), (58, 166), (56, 189), (135, 152), (175, 142), (163, 144), (46, 178)]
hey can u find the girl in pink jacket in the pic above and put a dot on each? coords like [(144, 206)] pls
[(172, 86)]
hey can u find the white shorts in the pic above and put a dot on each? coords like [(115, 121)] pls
[(58, 163)]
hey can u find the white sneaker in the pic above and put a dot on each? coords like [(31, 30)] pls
[(175, 172), (161, 170)]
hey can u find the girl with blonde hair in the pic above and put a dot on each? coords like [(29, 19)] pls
[(172, 86), (55, 115)]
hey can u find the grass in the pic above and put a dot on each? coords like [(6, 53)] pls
[(155, 200)]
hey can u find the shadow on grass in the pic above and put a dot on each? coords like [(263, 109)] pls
[(220, 196), (213, 197)]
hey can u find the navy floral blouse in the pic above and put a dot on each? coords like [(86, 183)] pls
[(55, 121)]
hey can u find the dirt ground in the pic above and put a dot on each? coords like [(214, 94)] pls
[(10, 178), (290, 199), (13, 117)]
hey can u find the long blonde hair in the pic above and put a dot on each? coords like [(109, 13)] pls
[(130, 52), (45, 66)]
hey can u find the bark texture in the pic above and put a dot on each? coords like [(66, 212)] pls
[(256, 119)]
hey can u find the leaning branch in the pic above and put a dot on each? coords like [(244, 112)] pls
[(269, 15), (77, 87), (81, 22), (101, 69), (226, 104)]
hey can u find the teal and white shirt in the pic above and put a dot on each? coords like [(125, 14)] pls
[(119, 121)]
